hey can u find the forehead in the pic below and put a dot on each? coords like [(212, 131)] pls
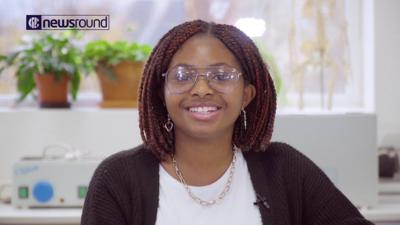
[(204, 50)]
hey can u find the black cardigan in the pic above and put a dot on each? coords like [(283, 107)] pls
[(125, 187)]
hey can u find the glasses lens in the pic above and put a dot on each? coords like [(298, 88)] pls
[(180, 79), (223, 79)]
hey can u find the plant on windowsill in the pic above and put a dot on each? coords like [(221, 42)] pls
[(52, 64), (119, 66)]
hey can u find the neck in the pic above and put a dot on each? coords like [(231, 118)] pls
[(202, 161), (203, 153)]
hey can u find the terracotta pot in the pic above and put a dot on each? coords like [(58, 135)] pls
[(52, 93), (121, 92)]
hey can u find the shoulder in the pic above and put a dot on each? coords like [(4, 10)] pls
[(124, 163), (129, 156), (285, 160), (280, 151), (113, 186)]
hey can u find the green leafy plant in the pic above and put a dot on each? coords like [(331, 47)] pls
[(43, 54), (104, 54)]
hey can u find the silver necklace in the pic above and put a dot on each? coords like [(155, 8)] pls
[(223, 192)]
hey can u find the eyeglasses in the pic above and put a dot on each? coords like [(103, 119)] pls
[(181, 79)]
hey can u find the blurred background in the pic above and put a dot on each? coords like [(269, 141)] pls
[(290, 34)]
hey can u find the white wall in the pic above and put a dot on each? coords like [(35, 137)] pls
[(341, 138), (387, 70)]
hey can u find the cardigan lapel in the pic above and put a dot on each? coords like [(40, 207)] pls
[(261, 187), (149, 186)]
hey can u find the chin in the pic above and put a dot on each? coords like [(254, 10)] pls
[(204, 132)]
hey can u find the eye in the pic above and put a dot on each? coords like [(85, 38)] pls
[(223, 76), (182, 75)]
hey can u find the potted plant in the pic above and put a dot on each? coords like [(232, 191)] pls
[(50, 63), (119, 66)]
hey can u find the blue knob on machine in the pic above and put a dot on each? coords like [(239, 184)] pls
[(43, 191)]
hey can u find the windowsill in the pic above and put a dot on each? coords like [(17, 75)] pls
[(90, 101), (86, 101)]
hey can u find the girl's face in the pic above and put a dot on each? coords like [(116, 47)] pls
[(202, 108)]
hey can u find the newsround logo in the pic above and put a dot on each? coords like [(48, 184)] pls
[(68, 22)]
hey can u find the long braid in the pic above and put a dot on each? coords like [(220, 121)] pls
[(244, 49), (260, 112)]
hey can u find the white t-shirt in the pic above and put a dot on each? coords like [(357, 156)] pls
[(237, 208)]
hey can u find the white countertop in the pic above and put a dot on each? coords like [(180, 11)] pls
[(385, 212), (382, 213), (11, 215)]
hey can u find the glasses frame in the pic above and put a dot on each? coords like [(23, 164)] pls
[(206, 74)]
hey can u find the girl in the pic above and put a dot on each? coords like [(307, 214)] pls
[(206, 108)]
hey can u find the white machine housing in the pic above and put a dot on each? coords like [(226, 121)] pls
[(42, 182)]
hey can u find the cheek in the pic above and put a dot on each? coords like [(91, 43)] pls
[(172, 104), (234, 102), (236, 97), (235, 107)]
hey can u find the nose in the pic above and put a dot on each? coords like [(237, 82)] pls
[(201, 87)]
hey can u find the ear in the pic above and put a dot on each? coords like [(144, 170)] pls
[(249, 92)]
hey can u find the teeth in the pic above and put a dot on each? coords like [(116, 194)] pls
[(202, 109)]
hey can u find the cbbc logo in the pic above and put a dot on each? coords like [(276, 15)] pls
[(33, 22), (67, 22)]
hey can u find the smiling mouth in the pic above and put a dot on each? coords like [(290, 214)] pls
[(203, 109)]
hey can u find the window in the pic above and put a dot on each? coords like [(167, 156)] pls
[(315, 49)]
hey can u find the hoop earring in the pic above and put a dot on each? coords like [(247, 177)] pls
[(244, 119), (169, 125)]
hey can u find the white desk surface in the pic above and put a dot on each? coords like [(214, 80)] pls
[(11, 215), (383, 213), (389, 212)]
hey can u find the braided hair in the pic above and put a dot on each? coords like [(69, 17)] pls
[(260, 111)]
